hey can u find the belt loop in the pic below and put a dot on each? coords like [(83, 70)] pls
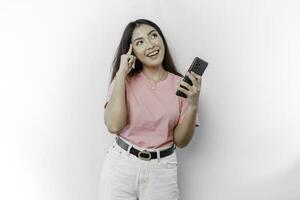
[(128, 150), (158, 155)]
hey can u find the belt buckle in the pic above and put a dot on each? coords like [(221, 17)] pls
[(146, 152)]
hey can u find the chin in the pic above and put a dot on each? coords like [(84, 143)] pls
[(154, 63)]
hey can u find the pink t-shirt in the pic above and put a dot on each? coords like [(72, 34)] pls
[(153, 112)]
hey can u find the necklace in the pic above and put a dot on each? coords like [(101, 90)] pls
[(154, 83)]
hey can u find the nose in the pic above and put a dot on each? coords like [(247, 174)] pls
[(149, 44)]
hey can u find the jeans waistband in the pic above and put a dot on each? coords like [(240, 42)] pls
[(141, 148)]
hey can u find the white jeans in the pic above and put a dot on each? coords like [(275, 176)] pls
[(126, 177)]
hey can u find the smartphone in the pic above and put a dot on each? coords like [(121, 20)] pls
[(198, 66)]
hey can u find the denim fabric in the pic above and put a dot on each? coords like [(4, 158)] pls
[(126, 177)]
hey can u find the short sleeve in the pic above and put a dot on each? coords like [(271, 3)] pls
[(109, 92), (183, 107)]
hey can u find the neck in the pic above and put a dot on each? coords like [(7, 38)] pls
[(154, 73)]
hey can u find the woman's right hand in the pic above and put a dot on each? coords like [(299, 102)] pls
[(127, 62)]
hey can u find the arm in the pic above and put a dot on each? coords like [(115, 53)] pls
[(184, 132), (115, 115)]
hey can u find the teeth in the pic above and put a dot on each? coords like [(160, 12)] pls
[(152, 54)]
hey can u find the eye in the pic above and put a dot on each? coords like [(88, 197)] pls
[(138, 42), (154, 34)]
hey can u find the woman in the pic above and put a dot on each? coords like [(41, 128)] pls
[(147, 116)]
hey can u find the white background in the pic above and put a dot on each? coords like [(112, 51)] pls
[(55, 67)]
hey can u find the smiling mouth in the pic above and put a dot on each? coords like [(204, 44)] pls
[(153, 54)]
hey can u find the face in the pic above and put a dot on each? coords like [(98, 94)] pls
[(148, 45)]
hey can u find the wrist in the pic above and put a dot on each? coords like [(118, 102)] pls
[(120, 74), (193, 107)]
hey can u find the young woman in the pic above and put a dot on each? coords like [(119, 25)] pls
[(147, 117)]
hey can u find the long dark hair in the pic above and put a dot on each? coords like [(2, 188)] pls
[(167, 63)]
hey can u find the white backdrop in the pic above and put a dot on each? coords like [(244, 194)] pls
[(55, 67)]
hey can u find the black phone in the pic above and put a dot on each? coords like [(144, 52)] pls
[(198, 66)]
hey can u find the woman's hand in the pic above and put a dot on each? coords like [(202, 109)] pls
[(127, 62), (193, 91)]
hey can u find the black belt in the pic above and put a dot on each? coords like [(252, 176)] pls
[(145, 155)]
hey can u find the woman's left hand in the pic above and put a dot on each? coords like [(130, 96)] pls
[(193, 91)]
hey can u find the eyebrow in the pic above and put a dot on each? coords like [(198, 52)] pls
[(141, 37)]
